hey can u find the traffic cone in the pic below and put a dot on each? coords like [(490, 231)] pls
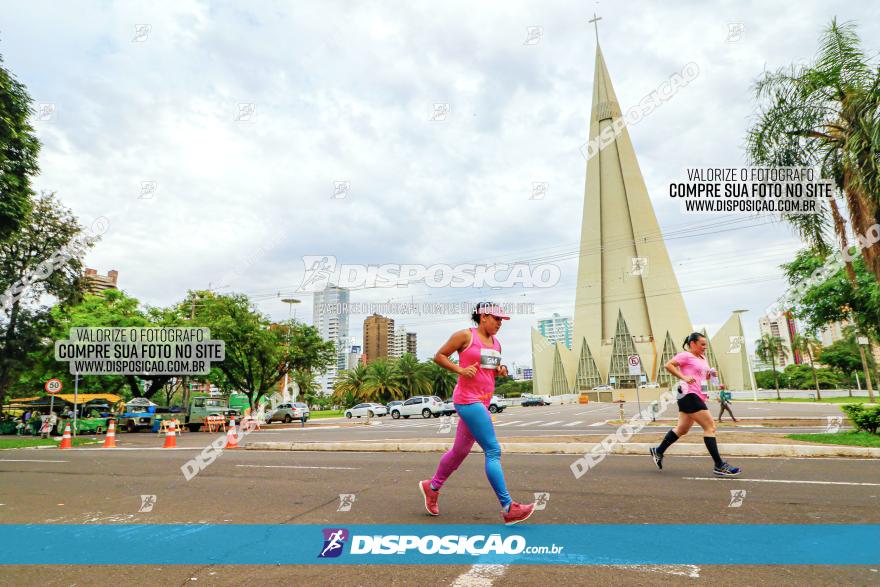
[(65, 440), (231, 441), (170, 436), (110, 439)]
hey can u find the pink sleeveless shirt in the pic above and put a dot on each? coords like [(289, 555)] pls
[(481, 386)]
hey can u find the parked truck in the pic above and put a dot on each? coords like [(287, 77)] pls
[(202, 406)]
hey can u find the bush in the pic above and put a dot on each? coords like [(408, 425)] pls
[(867, 419)]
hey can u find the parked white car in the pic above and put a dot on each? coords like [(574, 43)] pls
[(423, 405), (366, 410)]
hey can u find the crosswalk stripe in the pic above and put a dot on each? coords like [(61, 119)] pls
[(552, 423), (535, 423), (575, 423), (508, 423)]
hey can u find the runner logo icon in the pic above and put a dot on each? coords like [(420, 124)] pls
[(334, 541)]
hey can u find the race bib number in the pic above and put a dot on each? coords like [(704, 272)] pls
[(490, 358)]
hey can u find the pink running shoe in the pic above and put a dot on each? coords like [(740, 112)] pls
[(431, 497), (518, 513)]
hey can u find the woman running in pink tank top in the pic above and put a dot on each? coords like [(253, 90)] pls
[(479, 358)]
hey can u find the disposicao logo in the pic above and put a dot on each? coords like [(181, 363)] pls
[(334, 541)]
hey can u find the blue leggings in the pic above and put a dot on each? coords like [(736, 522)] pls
[(475, 425)]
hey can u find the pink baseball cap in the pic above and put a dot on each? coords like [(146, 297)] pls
[(492, 310)]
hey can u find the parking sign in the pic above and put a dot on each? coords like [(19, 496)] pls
[(53, 386), (635, 365)]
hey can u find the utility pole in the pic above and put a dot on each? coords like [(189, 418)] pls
[(863, 342), (290, 302)]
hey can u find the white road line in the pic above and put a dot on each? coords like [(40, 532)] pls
[(782, 481), (29, 461), (575, 423), (597, 424), (508, 423), (480, 576), (301, 467), (553, 423), (535, 423)]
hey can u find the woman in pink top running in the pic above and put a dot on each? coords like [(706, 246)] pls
[(479, 358), (693, 369)]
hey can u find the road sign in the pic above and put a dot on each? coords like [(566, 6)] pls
[(635, 364), (863, 340), (53, 386)]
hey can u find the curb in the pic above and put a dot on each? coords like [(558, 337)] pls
[(581, 448)]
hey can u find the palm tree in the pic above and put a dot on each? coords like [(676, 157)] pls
[(808, 345), (767, 348), (442, 380), (413, 375), (350, 385), (824, 115), (307, 383), (383, 382)]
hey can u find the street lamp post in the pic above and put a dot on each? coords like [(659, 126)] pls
[(290, 302)]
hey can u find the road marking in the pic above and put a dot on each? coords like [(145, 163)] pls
[(552, 423), (29, 461), (508, 423), (480, 576), (575, 423), (535, 423), (597, 424), (301, 467), (783, 481)]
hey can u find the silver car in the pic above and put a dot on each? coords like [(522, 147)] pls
[(287, 413)]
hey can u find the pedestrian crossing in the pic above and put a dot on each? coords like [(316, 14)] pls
[(436, 423)]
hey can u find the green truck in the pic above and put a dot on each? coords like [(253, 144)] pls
[(203, 406)]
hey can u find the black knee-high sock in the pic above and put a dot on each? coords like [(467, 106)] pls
[(670, 437), (712, 445)]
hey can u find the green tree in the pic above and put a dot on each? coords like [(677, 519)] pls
[(809, 346), (308, 386), (350, 385), (442, 380), (257, 354), (768, 348), (824, 115), (413, 376), (843, 356), (43, 257), (383, 382), (19, 149)]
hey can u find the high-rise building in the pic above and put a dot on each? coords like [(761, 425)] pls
[(96, 283), (785, 328), (556, 329), (832, 332), (403, 342), (330, 318), (353, 357), (378, 337)]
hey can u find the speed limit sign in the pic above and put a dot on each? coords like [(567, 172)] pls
[(53, 386), (635, 364)]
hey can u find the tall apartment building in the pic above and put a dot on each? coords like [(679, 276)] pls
[(378, 337), (96, 283), (330, 318), (785, 328), (403, 342), (556, 329)]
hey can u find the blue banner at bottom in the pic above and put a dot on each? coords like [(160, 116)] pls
[(423, 544)]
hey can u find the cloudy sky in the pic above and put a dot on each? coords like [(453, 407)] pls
[(212, 137)]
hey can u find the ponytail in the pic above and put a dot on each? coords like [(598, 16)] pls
[(692, 337)]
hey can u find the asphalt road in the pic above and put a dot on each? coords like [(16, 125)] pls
[(104, 487)]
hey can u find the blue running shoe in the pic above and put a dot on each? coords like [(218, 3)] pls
[(725, 470)]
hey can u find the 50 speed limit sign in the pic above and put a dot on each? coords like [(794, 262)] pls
[(53, 386)]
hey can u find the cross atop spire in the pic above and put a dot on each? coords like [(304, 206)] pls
[(595, 20)]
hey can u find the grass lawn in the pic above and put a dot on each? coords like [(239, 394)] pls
[(325, 414), (829, 400), (847, 438), (26, 441)]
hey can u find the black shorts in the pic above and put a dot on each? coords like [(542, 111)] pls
[(691, 403)]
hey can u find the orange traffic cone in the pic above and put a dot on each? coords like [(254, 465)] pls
[(231, 440), (110, 439), (65, 440), (170, 436)]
